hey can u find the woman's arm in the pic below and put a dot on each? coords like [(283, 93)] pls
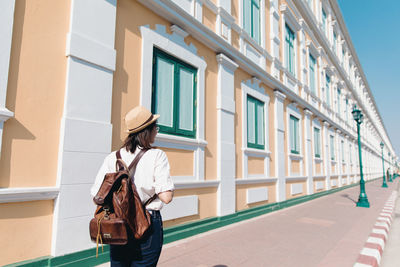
[(166, 196)]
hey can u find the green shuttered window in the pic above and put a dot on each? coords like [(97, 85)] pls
[(317, 143), (255, 123), (294, 135), (332, 144), (289, 50), (312, 74), (334, 43), (342, 148), (174, 95), (328, 93), (251, 15), (324, 20)]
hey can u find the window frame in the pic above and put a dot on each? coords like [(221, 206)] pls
[(257, 4), (290, 49), (334, 42), (327, 88), (178, 65), (324, 20), (296, 146), (342, 147), (317, 145), (332, 147), (257, 103), (312, 78)]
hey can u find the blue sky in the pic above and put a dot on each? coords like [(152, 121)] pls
[(374, 30)]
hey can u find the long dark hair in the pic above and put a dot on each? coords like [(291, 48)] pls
[(141, 138)]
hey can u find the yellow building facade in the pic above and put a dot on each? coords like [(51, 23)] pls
[(255, 98)]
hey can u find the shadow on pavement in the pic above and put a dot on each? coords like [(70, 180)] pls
[(347, 196)]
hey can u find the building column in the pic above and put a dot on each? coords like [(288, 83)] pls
[(6, 30), (86, 130), (274, 37), (339, 161), (327, 161), (280, 157), (347, 145), (226, 203), (308, 156)]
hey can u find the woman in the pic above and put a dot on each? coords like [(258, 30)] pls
[(151, 177)]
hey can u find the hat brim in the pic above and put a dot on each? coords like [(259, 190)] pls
[(155, 117)]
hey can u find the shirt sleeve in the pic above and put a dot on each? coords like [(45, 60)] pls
[(106, 167), (162, 179)]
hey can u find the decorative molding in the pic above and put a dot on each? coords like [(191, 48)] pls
[(89, 50), (279, 95), (290, 18), (181, 207), (176, 29), (296, 178), (196, 184), (255, 180), (227, 62), (8, 195), (254, 195), (5, 114), (194, 143)]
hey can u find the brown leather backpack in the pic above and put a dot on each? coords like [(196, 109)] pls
[(119, 206)]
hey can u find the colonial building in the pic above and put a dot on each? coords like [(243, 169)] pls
[(255, 97)]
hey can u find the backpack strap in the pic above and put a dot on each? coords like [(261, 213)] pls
[(120, 164), (150, 200), (132, 166), (132, 170)]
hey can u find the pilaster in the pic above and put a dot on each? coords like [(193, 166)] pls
[(327, 161), (86, 130), (279, 128), (308, 151), (6, 30), (226, 136)]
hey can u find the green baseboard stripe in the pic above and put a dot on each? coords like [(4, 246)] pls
[(87, 257)]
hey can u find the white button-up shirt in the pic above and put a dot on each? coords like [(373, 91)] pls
[(151, 177)]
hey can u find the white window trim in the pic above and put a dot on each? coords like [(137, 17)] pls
[(252, 87), (294, 111), (174, 45)]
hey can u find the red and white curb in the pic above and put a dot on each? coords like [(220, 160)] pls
[(370, 255)]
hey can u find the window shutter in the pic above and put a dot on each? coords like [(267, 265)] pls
[(165, 92), (251, 133), (247, 16), (186, 99), (256, 22), (260, 124)]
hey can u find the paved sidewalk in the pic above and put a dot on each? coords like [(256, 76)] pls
[(328, 231)]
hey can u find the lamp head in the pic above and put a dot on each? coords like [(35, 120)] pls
[(382, 145), (357, 115)]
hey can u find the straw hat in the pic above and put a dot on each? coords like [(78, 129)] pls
[(139, 118)]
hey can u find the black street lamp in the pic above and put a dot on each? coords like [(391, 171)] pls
[(383, 165), (362, 199)]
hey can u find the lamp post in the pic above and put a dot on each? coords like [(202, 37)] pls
[(362, 199), (383, 165), (390, 168)]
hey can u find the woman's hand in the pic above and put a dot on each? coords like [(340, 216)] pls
[(166, 196)]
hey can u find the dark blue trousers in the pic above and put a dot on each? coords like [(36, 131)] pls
[(144, 252)]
